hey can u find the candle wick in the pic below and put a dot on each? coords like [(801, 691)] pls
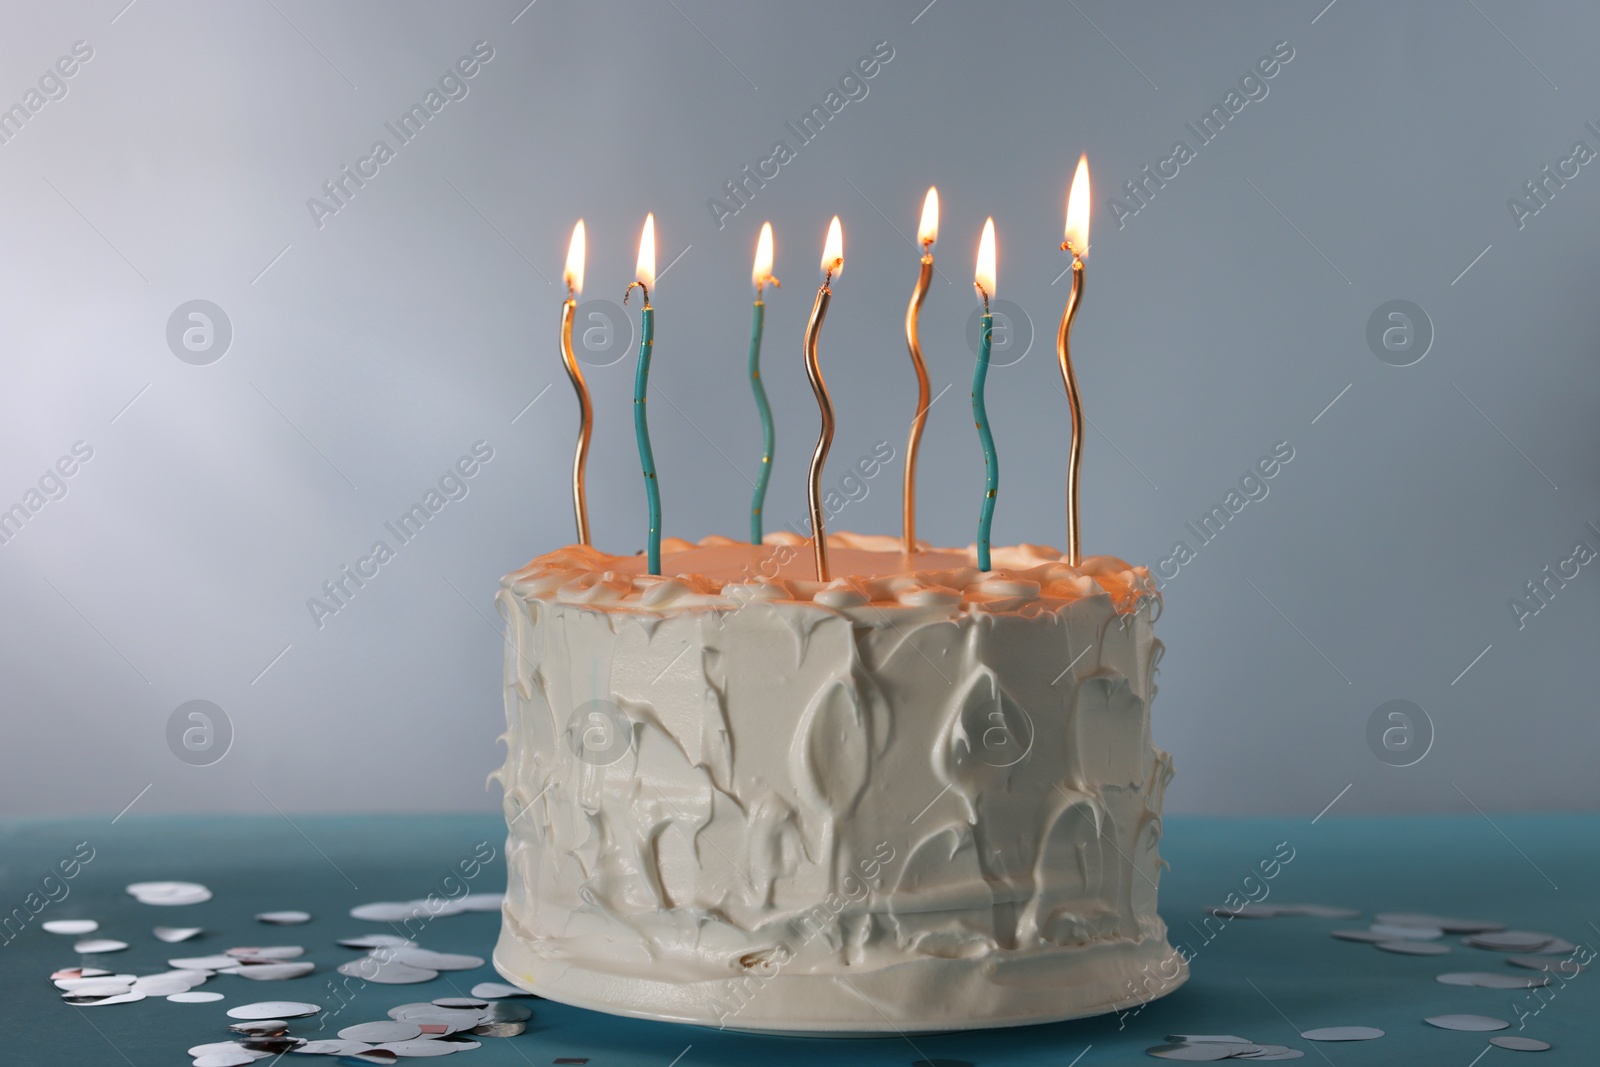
[(1077, 259), (643, 287), (983, 293)]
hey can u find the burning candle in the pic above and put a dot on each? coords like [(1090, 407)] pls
[(927, 233), (761, 275), (646, 275), (832, 264), (574, 280), (983, 281), (1077, 244)]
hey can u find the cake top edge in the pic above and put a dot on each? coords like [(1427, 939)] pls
[(867, 570)]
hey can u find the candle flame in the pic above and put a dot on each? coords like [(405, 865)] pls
[(575, 250), (928, 232), (983, 277), (833, 249), (1078, 210), (646, 271), (762, 272)]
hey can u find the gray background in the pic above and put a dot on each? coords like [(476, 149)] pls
[(369, 354)]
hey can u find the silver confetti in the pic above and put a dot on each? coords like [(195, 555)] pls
[(1467, 1022), (379, 1032), (202, 963), (435, 961), (276, 972), (1343, 1033), (1448, 925), (1547, 963), (1368, 936), (1520, 1044), (1492, 980), (270, 952), (1318, 911), (70, 927), (227, 1059), (261, 1027), (1401, 932), (1511, 941), (1413, 948), (274, 1009), (502, 1012), (96, 945), (418, 1049), (376, 941), (1205, 1051), (497, 990), (283, 918), (194, 997), (90, 1001), (373, 970), (333, 1048), (169, 894)]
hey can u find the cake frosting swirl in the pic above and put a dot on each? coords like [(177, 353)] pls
[(918, 797)]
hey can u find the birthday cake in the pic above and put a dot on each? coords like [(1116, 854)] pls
[(913, 798)]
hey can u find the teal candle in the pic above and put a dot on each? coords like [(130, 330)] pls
[(984, 283), (991, 461), (764, 475), (641, 430)]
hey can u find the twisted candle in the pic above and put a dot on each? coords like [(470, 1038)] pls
[(1070, 380), (1077, 245), (980, 415), (832, 262), (762, 274), (574, 280), (927, 233), (641, 425), (983, 282)]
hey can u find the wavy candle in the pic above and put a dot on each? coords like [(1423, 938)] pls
[(574, 279), (641, 426), (761, 275), (1077, 244), (983, 281), (832, 264), (927, 234)]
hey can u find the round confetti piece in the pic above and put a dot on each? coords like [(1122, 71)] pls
[(169, 894), (1343, 1033), (274, 1009), (1467, 1022), (283, 918), (1412, 948), (1520, 1044), (71, 927), (194, 996), (382, 1031)]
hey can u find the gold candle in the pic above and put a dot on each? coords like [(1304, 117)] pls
[(574, 280), (1077, 244), (927, 233), (832, 264)]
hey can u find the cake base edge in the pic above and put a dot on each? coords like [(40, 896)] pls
[(917, 997)]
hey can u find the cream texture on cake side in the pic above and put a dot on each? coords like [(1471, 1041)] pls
[(908, 800)]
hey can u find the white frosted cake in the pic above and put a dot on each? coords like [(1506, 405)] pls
[(919, 797)]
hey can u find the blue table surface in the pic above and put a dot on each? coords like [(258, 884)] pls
[(1262, 979)]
